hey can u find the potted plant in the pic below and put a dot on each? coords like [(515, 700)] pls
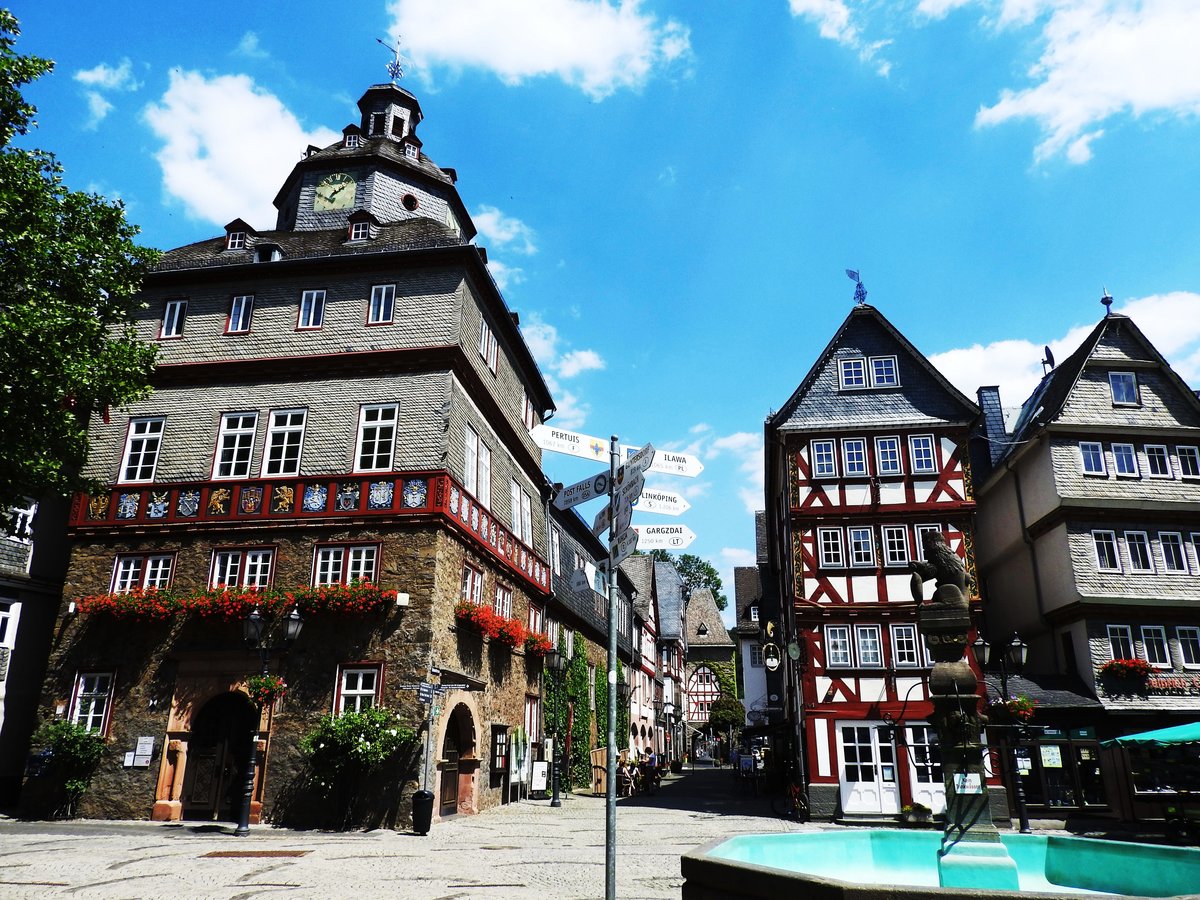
[(264, 690), (509, 632), (916, 814), (537, 644), (1127, 669)]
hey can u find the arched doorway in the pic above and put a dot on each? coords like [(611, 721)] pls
[(218, 752), (456, 783)]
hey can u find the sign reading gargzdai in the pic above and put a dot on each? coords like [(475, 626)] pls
[(664, 537), (667, 503), (582, 491), (570, 442)]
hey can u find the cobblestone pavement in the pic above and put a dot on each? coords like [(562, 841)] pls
[(523, 850)]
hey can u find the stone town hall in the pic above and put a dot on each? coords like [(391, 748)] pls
[(344, 397)]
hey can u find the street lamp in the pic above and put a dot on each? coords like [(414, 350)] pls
[(1011, 661), (556, 663), (253, 629)]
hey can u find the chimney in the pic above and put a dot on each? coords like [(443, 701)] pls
[(993, 421)]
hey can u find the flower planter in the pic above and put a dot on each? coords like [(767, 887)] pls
[(537, 645), (264, 690)]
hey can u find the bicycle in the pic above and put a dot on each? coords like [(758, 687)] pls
[(790, 803)]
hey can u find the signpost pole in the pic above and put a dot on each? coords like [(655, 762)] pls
[(610, 793)]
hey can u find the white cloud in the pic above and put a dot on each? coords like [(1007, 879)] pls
[(1170, 321), (505, 232), (505, 275), (227, 146), (1100, 59), (937, 9), (834, 21), (578, 361), (599, 46), (556, 364), (746, 448), (109, 78), (249, 47), (98, 109)]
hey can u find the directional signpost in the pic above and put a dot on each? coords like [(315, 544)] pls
[(665, 537), (666, 503), (624, 545), (580, 581), (582, 491), (570, 442)]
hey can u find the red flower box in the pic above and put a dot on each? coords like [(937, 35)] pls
[(1125, 668), (537, 644)]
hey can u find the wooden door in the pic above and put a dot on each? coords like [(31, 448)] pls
[(218, 752)]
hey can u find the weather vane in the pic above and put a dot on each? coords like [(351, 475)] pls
[(394, 68), (860, 295), (1107, 300)]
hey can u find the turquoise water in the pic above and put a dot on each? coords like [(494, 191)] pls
[(1044, 863)]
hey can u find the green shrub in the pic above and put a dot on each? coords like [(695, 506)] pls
[(355, 741), (70, 754)]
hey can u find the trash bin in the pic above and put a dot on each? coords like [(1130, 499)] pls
[(422, 811)]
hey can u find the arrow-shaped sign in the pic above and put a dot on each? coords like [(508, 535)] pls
[(667, 503), (684, 464), (582, 491), (580, 581), (665, 537), (627, 542), (632, 488), (604, 518), (640, 461), (570, 442)]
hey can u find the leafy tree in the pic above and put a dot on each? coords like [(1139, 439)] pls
[(727, 712), (71, 273), (696, 573)]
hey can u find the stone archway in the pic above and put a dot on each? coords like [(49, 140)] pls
[(218, 754), (458, 761)]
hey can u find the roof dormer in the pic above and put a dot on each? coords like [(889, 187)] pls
[(352, 137), (412, 146), (238, 234), (389, 111), (361, 226)]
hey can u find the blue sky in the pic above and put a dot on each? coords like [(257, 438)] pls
[(670, 192)]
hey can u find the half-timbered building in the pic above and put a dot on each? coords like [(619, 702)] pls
[(868, 454)]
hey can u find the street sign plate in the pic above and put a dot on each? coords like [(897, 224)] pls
[(668, 463), (631, 488), (666, 503), (624, 515), (570, 442), (640, 461), (580, 581), (665, 537), (627, 542), (582, 491)]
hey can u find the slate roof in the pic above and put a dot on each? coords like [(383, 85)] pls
[(924, 396), (410, 234), (747, 591), (702, 611), (669, 586), (640, 570), (1050, 691), (761, 553)]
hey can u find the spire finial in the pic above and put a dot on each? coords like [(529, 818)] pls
[(395, 68), (1107, 300), (860, 295)]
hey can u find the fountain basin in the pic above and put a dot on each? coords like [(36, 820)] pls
[(879, 863)]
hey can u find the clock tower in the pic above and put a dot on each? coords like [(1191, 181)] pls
[(378, 167)]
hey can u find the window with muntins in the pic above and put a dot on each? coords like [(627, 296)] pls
[(487, 346), (235, 240), (870, 650), (1124, 388), (1125, 460), (1092, 454), (235, 445), (829, 542), (245, 568), (141, 449), (285, 441), (1120, 642), (147, 572), (173, 318), (471, 587), (1189, 645), (91, 700), (1154, 639), (555, 550), (1174, 555), (920, 531), (854, 457), (312, 309), (753, 613), (1189, 461), (756, 656), (502, 602), (1138, 544), (344, 563), (383, 304), (837, 646), (887, 456), (884, 372), (824, 459), (1158, 461), (376, 437), (241, 309), (471, 460), (905, 651), (852, 373), (358, 688), (1107, 558), (862, 549), (921, 456), (895, 545)]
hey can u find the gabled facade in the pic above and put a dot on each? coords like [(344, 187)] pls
[(672, 651), (645, 679), (1089, 531), (867, 454), (345, 398), (709, 669)]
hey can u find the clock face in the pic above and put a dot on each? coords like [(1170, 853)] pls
[(334, 191)]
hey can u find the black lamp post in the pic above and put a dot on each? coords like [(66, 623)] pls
[(1011, 661), (253, 627), (555, 662)]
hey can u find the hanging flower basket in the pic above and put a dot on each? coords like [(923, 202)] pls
[(1017, 708), (537, 644), (1129, 669), (264, 690), (510, 632)]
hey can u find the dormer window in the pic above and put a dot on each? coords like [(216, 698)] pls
[(753, 613), (375, 124), (352, 142), (267, 253), (235, 240), (857, 372), (702, 630), (360, 231), (410, 151), (397, 127), (1124, 388)]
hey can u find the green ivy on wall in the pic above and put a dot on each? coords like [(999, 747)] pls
[(579, 769)]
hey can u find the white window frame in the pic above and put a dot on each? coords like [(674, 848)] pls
[(242, 567), (915, 455), (555, 550), (10, 614), (374, 422), (1118, 382), (488, 346), (235, 445), (470, 460), (861, 544), (1178, 554), (344, 563), (756, 656), (1189, 645), (1125, 453), (895, 545), (1106, 536), (869, 657), (470, 586), (352, 142), (173, 320), (144, 571), (1189, 461), (852, 373), (360, 231), (352, 695), (529, 414), (92, 690), (888, 459), (1160, 454), (284, 434), (1092, 452), (143, 441), (502, 600), (1139, 539), (241, 314), (831, 551), (526, 518), (235, 240), (839, 653), (880, 380), (311, 313), (381, 309), (754, 613), (918, 533), (1119, 635), (1154, 643), (906, 649), (823, 457), (536, 618), (857, 446)]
